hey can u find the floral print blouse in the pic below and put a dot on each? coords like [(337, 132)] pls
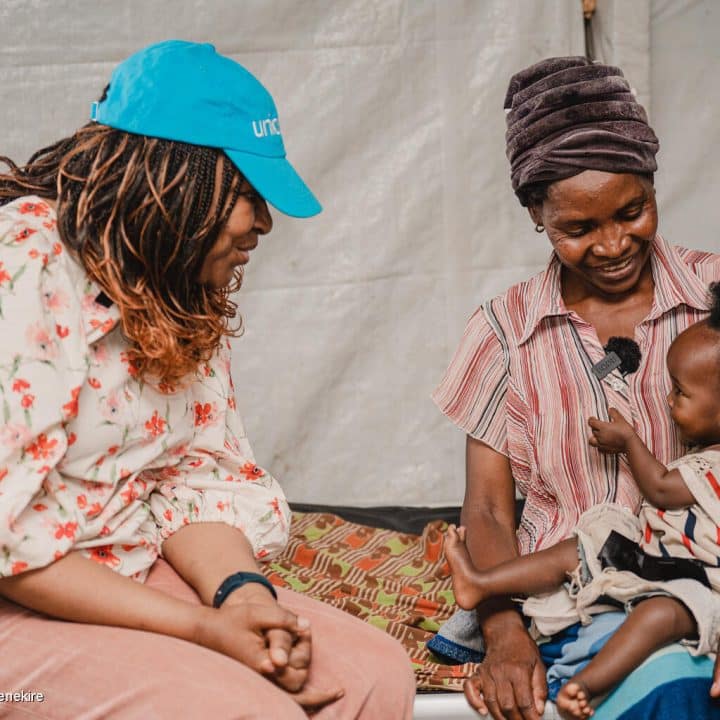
[(92, 459)]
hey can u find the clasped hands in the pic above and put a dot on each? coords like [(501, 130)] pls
[(254, 629)]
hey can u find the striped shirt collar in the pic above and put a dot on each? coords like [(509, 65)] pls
[(675, 285)]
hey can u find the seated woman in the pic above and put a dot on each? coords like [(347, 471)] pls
[(521, 383), (119, 249)]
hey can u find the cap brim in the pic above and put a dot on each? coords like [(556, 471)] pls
[(276, 180)]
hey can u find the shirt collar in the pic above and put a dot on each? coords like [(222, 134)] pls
[(675, 284), (548, 299)]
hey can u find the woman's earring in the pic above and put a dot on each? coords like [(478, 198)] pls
[(539, 228)]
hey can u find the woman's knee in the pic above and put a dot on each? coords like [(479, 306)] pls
[(372, 667), (248, 698), (390, 678)]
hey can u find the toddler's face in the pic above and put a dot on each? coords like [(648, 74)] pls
[(693, 362)]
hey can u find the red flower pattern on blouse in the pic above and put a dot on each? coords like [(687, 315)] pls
[(42, 447), (24, 234), (203, 414), (19, 385), (36, 209), (103, 554), (131, 366), (71, 408), (155, 425), (132, 492), (251, 471), (67, 530), (93, 510)]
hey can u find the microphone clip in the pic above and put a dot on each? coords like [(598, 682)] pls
[(604, 367), (621, 354)]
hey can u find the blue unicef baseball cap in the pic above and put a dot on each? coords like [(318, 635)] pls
[(188, 92)]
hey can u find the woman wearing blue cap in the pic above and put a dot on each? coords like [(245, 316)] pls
[(119, 250)]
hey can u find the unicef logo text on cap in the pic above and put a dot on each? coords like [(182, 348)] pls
[(263, 128)]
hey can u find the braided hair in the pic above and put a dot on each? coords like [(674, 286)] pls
[(140, 214)]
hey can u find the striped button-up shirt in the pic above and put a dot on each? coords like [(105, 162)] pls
[(521, 382)]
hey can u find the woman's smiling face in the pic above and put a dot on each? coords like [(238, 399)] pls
[(249, 218), (601, 226)]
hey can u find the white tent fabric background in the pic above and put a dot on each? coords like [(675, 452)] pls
[(392, 111)]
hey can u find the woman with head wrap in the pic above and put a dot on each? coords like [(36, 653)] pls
[(532, 366), (130, 501)]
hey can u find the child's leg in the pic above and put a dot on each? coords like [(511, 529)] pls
[(534, 573), (653, 623)]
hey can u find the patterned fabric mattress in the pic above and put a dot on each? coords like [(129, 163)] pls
[(398, 582)]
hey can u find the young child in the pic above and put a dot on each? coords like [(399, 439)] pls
[(663, 564)]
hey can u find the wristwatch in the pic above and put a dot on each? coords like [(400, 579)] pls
[(237, 580)]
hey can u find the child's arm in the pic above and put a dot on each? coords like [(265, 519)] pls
[(661, 488)]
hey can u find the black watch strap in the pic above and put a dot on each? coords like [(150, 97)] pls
[(237, 580)]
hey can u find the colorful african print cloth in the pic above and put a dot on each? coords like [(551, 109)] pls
[(399, 583)]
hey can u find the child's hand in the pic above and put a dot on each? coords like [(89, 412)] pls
[(613, 436), (715, 687)]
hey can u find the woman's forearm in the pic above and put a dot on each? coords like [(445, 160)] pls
[(204, 554), (490, 543), (490, 539), (488, 513), (78, 589)]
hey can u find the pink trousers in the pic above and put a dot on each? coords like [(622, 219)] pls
[(95, 672)]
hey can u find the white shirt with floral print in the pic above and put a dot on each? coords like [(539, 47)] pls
[(91, 459)]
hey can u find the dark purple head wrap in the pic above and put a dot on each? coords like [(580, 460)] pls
[(566, 115)]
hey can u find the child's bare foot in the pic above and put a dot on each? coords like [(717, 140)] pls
[(573, 700), (465, 576)]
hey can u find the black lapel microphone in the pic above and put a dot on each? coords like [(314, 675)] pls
[(622, 354)]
